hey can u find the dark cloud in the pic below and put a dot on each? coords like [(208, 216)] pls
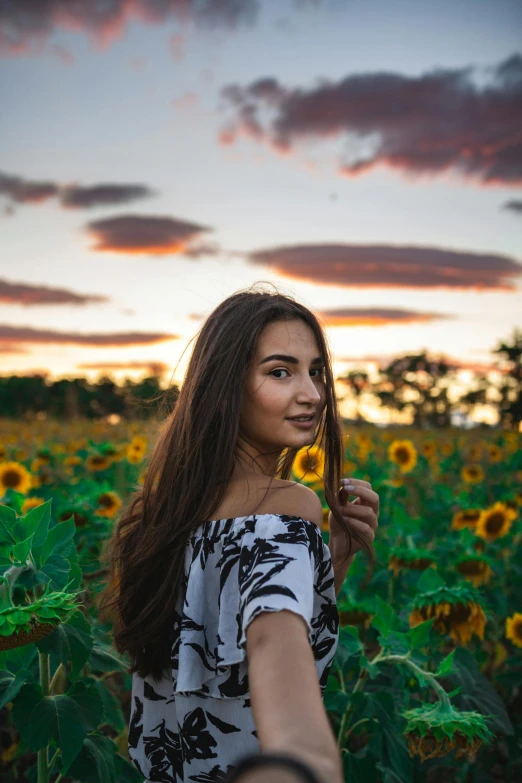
[(24, 24), (15, 335), (377, 316), (79, 197), (27, 191), (515, 205), (30, 295), (390, 266), (431, 123), (144, 234)]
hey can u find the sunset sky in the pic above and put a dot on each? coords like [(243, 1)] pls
[(365, 156)]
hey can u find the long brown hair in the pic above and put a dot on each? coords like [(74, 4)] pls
[(188, 471)]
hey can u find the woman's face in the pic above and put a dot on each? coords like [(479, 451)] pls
[(277, 388)]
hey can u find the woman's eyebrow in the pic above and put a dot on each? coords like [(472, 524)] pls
[(281, 357)]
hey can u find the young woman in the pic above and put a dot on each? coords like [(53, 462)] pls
[(225, 592)]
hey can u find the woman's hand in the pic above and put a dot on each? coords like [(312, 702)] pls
[(362, 514)]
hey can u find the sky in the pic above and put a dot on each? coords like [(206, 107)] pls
[(156, 156)]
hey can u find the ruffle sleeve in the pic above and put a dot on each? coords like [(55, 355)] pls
[(233, 572), (276, 571)]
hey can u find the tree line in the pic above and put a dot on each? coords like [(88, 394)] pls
[(415, 384)]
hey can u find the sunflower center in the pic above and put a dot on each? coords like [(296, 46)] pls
[(495, 523), (11, 478), (471, 567)]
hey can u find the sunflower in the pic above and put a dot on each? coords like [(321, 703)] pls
[(108, 504), (472, 474), (410, 559), (19, 455), (495, 522), (447, 449), (436, 729), (349, 467), (73, 460), (403, 454), (514, 629), (140, 441), (134, 455), (97, 462), (352, 612), (30, 503), (308, 464), (456, 611), (363, 440), (393, 482), (3, 452), (494, 452), (475, 569), (468, 517), (13, 475), (325, 527), (428, 449), (79, 519), (474, 452)]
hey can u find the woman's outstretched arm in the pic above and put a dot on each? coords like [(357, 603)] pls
[(286, 699)]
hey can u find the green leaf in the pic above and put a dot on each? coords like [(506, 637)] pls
[(56, 570), (22, 549), (445, 665), (430, 580), (17, 658), (125, 771), (7, 523), (95, 761), (71, 642), (349, 645), (384, 618), (66, 718), (112, 707), (420, 634), (36, 522), (478, 694), (338, 702), (59, 541), (10, 685), (104, 659), (397, 642)]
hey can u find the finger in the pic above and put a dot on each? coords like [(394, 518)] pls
[(365, 530), (366, 495), (365, 514), (357, 482)]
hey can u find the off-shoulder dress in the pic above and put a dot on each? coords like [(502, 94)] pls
[(194, 724)]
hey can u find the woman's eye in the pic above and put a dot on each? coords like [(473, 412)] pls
[(317, 370)]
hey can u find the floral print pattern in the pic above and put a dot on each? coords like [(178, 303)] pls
[(196, 723)]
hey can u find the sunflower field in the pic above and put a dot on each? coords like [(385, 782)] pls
[(426, 684)]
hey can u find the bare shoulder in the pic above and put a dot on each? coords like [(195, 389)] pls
[(306, 503)]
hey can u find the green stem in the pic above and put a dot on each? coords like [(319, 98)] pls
[(363, 720), (42, 758), (435, 684), (55, 677), (51, 763), (363, 676)]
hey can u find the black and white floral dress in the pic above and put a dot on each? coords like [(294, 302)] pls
[(195, 724)]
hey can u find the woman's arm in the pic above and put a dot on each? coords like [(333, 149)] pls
[(286, 698)]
